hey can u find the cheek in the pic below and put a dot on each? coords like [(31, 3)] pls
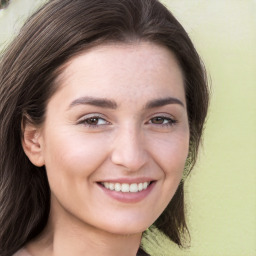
[(72, 155), (70, 161), (170, 153)]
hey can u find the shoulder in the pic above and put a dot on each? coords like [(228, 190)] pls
[(22, 252)]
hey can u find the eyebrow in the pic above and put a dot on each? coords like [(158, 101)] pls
[(106, 103), (162, 102), (98, 102)]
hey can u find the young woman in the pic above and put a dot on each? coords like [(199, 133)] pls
[(102, 105)]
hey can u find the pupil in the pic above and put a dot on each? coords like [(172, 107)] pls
[(158, 120), (93, 121)]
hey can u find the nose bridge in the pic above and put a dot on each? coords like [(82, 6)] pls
[(129, 149)]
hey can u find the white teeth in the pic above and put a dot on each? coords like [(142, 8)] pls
[(117, 187), (134, 188), (145, 185), (111, 186), (125, 187)]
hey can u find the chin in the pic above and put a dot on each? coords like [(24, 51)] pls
[(127, 227)]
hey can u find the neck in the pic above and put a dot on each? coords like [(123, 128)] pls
[(64, 235)]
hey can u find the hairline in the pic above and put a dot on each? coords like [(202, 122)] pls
[(58, 72)]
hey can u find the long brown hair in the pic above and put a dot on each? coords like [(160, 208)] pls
[(29, 66)]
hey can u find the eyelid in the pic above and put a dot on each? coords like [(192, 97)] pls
[(162, 114), (166, 116), (83, 119)]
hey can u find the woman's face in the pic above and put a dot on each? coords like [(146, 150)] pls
[(116, 137)]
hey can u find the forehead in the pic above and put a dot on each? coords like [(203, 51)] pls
[(126, 70)]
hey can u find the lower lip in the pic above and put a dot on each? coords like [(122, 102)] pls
[(128, 197)]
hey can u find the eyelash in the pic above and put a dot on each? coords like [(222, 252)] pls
[(170, 121), (84, 121)]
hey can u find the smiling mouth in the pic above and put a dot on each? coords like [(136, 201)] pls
[(125, 187)]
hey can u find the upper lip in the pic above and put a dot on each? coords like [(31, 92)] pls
[(128, 180)]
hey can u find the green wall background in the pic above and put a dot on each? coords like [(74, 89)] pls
[(221, 191)]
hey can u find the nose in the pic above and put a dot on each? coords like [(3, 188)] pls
[(129, 149)]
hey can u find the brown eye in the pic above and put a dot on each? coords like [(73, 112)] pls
[(92, 121), (162, 120), (158, 120)]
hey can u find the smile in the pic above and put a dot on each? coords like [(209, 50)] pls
[(125, 187), (127, 191)]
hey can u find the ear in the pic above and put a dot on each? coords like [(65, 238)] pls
[(32, 143)]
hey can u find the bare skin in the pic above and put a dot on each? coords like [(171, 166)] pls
[(76, 238), (117, 119)]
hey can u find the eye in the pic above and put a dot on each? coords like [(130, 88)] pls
[(93, 121), (162, 120)]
